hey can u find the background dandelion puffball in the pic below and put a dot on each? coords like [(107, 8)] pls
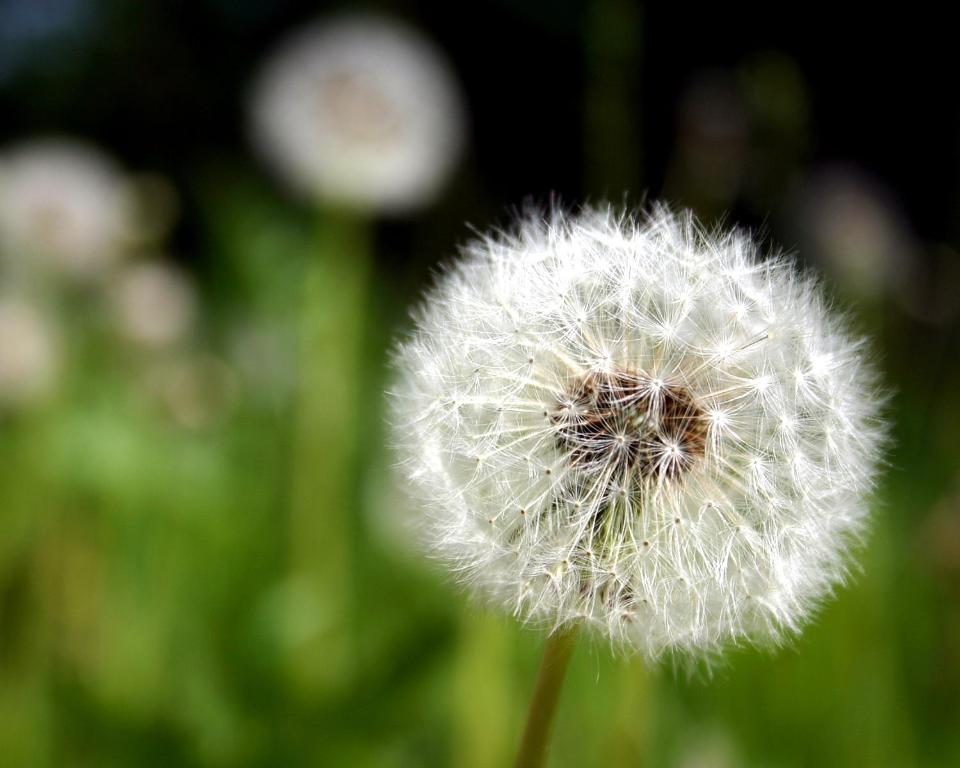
[(637, 425), (62, 206), (28, 353), (154, 303), (360, 112)]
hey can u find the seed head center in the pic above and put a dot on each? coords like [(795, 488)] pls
[(630, 425)]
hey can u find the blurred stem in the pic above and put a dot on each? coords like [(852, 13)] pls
[(485, 709), (553, 668), (612, 68), (326, 446)]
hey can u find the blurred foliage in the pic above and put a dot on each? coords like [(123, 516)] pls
[(205, 573)]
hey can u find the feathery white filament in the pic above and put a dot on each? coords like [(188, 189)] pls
[(638, 425)]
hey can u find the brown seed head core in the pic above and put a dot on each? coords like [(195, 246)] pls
[(628, 423), (360, 109)]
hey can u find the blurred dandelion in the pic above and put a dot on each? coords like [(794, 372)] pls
[(28, 353), (360, 112), (638, 426), (153, 302), (361, 116), (710, 747), (858, 234), (940, 536), (193, 391), (61, 207)]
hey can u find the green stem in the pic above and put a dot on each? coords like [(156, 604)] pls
[(553, 668), (326, 444)]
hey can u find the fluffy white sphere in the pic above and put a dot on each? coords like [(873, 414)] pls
[(62, 206), (153, 303), (638, 425), (361, 112)]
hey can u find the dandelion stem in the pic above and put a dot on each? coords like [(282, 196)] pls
[(326, 444), (553, 668)]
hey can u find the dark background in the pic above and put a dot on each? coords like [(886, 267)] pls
[(162, 84)]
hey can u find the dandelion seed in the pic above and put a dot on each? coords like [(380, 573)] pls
[(698, 492)]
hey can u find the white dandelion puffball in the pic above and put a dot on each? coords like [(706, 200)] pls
[(361, 112), (640, 426), (61, 205), (28, 359), (153, 303)]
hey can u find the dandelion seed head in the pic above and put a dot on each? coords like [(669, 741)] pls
[(28, 353), (856, 232), (637, 424), (62, 207), (359, 111), (153, 303)]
